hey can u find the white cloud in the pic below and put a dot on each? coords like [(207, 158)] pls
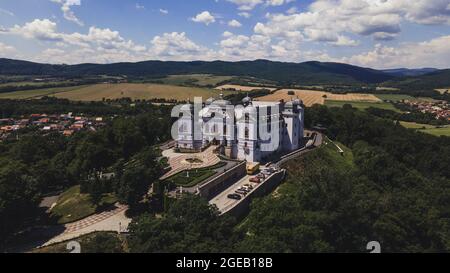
[(244, 14), (204, 17), (163, 11), (234, 23), (433, 53), (139, 6), (66, 7), (332, 20), (246, 4), (7, 51)]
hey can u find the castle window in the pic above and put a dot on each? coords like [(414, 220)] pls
[(247, 133)]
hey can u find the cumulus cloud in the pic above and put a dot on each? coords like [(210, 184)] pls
[(244, 14), (204, 17), (330, 20), (234, 23), (433, 53), (66, 7), (163, 11), (7, 51)]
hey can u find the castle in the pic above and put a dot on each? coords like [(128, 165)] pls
[(250, 132)]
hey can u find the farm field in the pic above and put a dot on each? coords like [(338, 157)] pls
[(362, 104), (243, 88), (426, 128), (99, 92), (38, 93), (317, 97), (443, 90), (197, 79)]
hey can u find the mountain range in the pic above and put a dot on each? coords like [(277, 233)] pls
[(306, 73)]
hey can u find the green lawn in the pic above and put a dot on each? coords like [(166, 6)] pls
[(426, 128), (195, 176), (73, 205), (362, 104)]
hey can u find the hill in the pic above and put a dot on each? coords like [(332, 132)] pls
[(401, 72), (283, 73), (438, 79)]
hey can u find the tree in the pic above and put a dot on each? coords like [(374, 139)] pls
[(190, 225)]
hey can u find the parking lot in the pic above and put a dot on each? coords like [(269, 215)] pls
[(224, 203)]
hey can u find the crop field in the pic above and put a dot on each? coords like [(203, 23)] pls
[(362, 105), (443, 90), (317, 97), (426, 128), (99, 92), (243, 88), (197, 79)]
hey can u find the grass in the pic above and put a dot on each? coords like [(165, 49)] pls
[(428, 129), (394, 97), (99, 92), (73, 205), (362, 105), (84, 240), (135, 91), (196, 176), (38, 93)]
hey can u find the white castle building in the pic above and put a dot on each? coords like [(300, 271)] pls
[(250, 132)]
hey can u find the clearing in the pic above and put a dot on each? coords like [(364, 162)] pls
[(203, 80), (73, 205), (426, 128)]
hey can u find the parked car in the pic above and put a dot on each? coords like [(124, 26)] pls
[(255, 179), (234, 196), (261, 176), (248, 186), (241, 191)]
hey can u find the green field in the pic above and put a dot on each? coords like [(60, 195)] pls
[(195, 79), (426, 128), (73, 205), (362, 105), (38, 93), (99, 92), (394, 97)]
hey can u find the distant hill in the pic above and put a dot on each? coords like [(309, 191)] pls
[(400, 72), (284, 73), (438, 79)]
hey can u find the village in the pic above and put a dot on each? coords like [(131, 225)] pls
[(65, 124), (440, 109)]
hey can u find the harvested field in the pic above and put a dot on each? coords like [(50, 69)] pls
[(243, 88), (443, 90), (317, 97)]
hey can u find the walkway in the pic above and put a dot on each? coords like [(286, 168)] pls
[(112, 220), (178, 161)]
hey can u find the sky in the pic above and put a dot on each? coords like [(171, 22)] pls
[(371, 33)]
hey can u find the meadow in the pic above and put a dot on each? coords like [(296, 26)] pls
[(99, 92), (362, 105), (426, 128), (243, 88)]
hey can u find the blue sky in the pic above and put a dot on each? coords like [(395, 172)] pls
[(373, 33)]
